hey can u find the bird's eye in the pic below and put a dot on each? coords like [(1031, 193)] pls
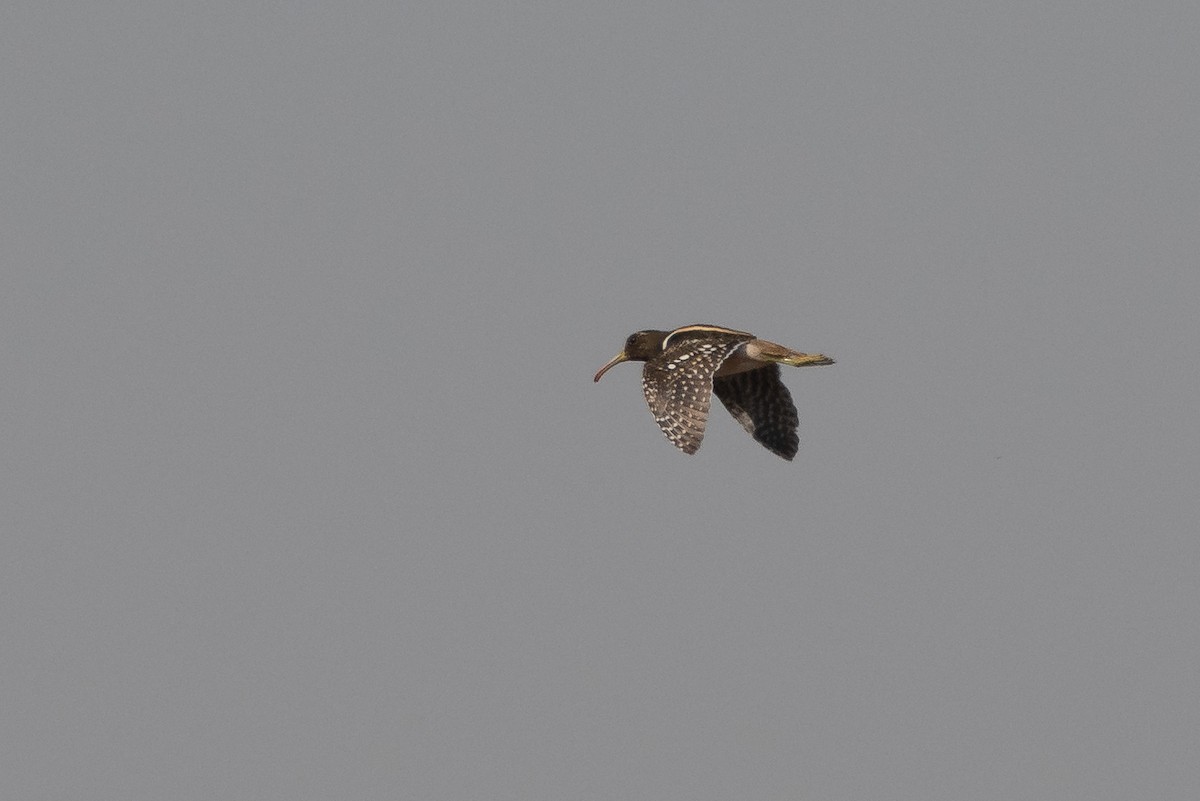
[(631, 341)]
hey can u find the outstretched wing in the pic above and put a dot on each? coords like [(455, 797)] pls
[(678, 383), (762, 404)]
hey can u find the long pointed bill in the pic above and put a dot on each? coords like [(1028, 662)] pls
[(620, 357)]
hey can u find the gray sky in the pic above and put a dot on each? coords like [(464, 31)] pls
[(309, 493)]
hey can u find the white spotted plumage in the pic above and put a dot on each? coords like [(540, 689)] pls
[(678, 383)]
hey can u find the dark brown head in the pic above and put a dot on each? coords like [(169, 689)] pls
[(639, 347)]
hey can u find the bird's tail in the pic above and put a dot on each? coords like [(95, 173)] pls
[(771, 352), (806, 359)]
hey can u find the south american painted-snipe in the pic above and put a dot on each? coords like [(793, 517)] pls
[(685, 367)]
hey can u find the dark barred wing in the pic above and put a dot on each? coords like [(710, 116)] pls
[(762, 404)]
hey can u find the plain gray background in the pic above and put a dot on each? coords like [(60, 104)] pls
[(308, 493)]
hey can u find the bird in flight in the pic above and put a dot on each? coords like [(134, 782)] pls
[(685, 367)]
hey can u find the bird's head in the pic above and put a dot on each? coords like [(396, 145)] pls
[(639, 347)]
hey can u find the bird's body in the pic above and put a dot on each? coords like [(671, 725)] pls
[(686, 366)]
